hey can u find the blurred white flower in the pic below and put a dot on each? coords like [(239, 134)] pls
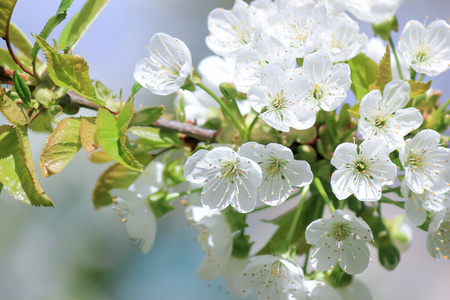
[(279, 98), (341, 38), (417, 205), (355, 290), (334, 7), (233, 30), (230, 178), (274, 278), (328, 83), (250, 63), (363, 172), (438, 238), (341, 239), (373, 11), (280, 171), (426, 164), (383, 115), (297, 27), (167, 67), (426, 49), (318, 290)]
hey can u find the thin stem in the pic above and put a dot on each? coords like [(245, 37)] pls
[(444, 106), (400, 204), (342, 204), (248, 134), (297, 214), (421, 77), (223, 106), (413, 74), (182, 194), (390, 190), (329, 127), (236, 107), (323, 194), (391, 42), (305, 264), (8, 44)]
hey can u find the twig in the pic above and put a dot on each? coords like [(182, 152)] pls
[(8, 44)]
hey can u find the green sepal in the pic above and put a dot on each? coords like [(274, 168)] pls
[(364, 72), (22, 88), (241, 246), (159, 204), (235, 219), (337, 277), (389, 256), (384, 29), (228, 90)]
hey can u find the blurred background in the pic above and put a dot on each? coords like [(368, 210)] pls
[(75, 252)]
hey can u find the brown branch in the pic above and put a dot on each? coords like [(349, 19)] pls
[(8, 44), (202, 134)]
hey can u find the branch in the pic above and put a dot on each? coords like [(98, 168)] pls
[(202, 134), (8, 44)]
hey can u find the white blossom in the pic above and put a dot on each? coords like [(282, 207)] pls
[(274, 278), (417, 205), (280, 171), (355, 290), (363, 172), (438, 238), (426, 49), (373, 11), (426, 164), (297, 27), (318, 290), (341, 38), (233, 30), (334, 7), (340, 239), (230, 179), (383, 115), (328, 83), (250, 63), (167, 67), (279, 98)]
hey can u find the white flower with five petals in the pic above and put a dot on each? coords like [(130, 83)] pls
[(385, 117), (373, 11), (280, 171), (340, 239), (167, 67), (363, 172)]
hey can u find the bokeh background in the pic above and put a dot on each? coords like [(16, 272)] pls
[(75, 252)]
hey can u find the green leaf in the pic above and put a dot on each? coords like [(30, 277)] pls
[(100, 157), (116, 176), (14, 113), (364, 72), (111, 135), (43, 122), (384, 73), (52, 23), (147, 116), (20, 41), (88, 131), (17, 171), (384, 29), (61, 146), (150, 136), (418, 88), (6, 60), (22, 88), (355, 110), (80, 23), (69, 71), (136, 87), (6, 10)]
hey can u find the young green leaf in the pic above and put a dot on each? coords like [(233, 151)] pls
[(136, 87), (69, 71), (6, 60), (6, 9), (52, 23), (80, 23), (384, 73), (418, 88), (88, 129), (22, 88), (147, 116), (364, 72), (14, 113), (20, 41), (111, 136), (61, 146)]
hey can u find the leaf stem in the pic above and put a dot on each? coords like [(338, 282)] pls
[(329, 127), (323, 193), (182, 194), (224, 107), (248, 134), (298, 211), (444, 106), (400, 204), (8, 45), (397, 61), (421, 77)]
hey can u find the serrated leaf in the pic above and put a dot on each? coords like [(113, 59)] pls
[(6, 60), (111, 136), (20, 41), (17, 171), (147, 116), (80, 23), (6, 10), (418, 88), (61, 146), (384, 71), (22, 88), (364, 72), (116, 176), (14, 113), (52, 23), (136, 87), (88, 129), (42, 122), (69, 71)]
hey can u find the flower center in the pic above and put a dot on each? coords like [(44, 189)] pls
[(421, 54), (300, 38), (274, 165), (360, 166), (340, 231), (415, 160), (317, 92), (279, 102), (229, 168), (242, 35)]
